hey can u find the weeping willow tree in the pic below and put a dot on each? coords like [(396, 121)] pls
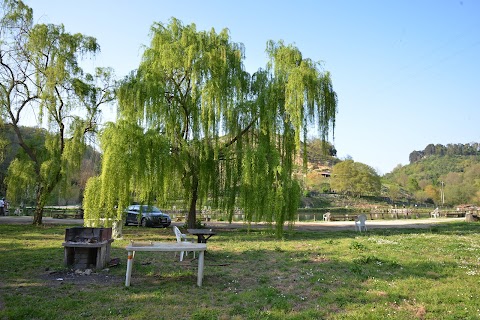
[(193, 124), (40, 75)]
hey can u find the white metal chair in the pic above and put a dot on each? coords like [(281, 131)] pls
[(435, 213), (181, 237), (360, 223)]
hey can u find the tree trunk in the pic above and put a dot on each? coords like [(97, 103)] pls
[(37, 218), (43, 190), (117, 229), (38, 215), (192, 212)]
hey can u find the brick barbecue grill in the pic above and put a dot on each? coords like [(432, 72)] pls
[(87, 247)]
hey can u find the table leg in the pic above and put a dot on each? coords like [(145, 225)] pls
[(128, 275), (200, 268)]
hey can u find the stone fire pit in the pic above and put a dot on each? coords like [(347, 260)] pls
[(87, 247)]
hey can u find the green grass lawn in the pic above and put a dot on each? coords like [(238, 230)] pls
[(395, 274)]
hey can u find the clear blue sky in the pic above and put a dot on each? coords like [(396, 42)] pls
[(407, 72)]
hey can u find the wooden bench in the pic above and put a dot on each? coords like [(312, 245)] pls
[(63, 212), (342, 217), (455, 214), (201, 218), (58, 216), (67, 216)]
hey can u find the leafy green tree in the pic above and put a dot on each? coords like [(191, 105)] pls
[(40, 74), (394, 192), (432, 193), (402, 179), (355, 178), (462, 187), (315, 181), (476, 198), (413, 185), (193, 124), (319, 150)]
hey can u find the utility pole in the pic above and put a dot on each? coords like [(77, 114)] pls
[(442, 193)]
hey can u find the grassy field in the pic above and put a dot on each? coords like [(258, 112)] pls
[(381, 274)]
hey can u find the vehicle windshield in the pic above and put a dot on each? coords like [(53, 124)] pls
[(151, 209)]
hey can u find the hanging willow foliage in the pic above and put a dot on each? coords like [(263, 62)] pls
[(193, 124), (41, 74)]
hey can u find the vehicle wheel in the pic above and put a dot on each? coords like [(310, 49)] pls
[(144, 222)]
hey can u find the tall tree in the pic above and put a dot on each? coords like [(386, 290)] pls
[(355, 178), (40, 74), (321, 151), (193, 124)]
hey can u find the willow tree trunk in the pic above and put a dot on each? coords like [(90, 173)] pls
[(192, 211), (39, 205), (43, 190)]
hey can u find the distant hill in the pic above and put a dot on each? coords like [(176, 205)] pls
[(441, 174), (438, 175), (458, 149)]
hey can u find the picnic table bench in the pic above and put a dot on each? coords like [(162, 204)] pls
[(67, 215), (180, 218), (63, 212), (342, 217), (202, 234), (455, 214)]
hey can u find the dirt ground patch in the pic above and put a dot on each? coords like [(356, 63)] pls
[(58, 278)]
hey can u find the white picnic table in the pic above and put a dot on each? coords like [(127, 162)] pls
[(165, 247)]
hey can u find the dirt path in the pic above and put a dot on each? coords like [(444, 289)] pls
[(29, 220), (304, 226), (349, 225)]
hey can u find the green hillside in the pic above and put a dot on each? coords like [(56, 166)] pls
[(438, 175), (69, 191), (434, 168), (457, 177)]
